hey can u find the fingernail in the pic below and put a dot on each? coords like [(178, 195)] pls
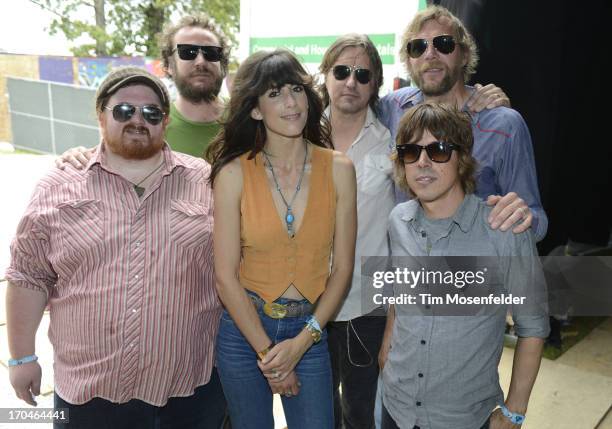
[(494, 225)]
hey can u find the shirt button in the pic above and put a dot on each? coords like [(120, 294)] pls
[(423, 341), (420, 375), (423, 234), (134, 310), (136, 277), (418, 403), (138, 244)]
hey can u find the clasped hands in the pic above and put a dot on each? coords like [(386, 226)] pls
[(278, 367)]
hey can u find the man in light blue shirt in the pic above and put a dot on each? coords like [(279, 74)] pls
[(440, 56), (440, 370)]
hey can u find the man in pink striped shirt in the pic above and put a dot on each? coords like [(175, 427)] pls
[(121, 251)]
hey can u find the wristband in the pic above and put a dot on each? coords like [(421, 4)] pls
[(21, 361), (313, 327), (515, 418)]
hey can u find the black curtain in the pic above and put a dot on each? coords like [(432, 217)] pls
[(549, 57)]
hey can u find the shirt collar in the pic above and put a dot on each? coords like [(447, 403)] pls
[(463, 217), (411, 98), (371, 122)]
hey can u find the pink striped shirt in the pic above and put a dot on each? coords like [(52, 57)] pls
[(133, 308)]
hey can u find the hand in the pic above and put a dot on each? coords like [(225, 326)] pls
[(25, 379), (288, 387), (78, 157), (499, 421), (383, 354), (487, 97), (282, 358), (508, 210)]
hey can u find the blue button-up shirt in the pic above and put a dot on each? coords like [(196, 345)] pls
[(502, 147)]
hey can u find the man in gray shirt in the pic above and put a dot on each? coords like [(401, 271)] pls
[(441, 371)]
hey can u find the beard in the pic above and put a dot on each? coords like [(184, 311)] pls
[(139, 146), (205, 92), (435, 89)]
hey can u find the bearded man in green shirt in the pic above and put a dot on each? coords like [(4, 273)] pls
[(195, 55)]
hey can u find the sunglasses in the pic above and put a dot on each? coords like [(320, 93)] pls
[(444, 44), (341, 72), (123, 112), (437, 151), (190, 52)]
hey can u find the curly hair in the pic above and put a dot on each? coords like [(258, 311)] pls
[(462, 37), (167, 44), (445, 123)]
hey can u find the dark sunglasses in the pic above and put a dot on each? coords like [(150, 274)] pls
[(190, 52), (444, 44), (436, 151), (123, 112), (341, 72)]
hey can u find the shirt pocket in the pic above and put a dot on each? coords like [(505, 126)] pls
[(82, 225), (377, 169), (189, 224)]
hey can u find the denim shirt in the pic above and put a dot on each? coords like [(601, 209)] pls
[(502, 148)]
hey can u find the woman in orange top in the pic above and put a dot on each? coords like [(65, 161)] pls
[(283, 204)]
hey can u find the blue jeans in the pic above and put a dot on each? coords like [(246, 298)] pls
[(247, 391)]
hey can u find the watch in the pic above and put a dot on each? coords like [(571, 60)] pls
[(515, 418)]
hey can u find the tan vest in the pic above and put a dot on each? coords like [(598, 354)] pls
[(271, 260)]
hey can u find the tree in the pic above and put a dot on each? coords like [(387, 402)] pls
[(130, 27)]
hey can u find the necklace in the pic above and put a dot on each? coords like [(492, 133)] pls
[(289, 218), (137, 188)]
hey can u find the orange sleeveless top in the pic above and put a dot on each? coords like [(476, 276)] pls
[(271, 260)]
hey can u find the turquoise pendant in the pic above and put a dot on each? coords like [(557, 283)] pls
[(289, 218)]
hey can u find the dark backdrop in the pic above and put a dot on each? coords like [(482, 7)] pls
[(553, 60)]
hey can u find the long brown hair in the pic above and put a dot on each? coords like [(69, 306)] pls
[(241, 133)]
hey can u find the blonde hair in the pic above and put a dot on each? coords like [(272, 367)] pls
[(462, 37)]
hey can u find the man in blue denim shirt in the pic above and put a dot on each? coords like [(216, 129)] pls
[(440, 56)]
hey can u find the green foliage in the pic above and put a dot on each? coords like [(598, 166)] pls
[(130, 27)]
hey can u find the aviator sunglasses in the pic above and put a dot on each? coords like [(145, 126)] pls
[(437, 151), (444, 44), (190, 52), (341, 72), (123, 112)]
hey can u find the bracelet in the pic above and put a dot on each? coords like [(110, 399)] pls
[(21, 361), (515, 418), (313, 327), (262, 354)]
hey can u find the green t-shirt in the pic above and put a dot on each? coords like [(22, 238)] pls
[(189, 137)]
